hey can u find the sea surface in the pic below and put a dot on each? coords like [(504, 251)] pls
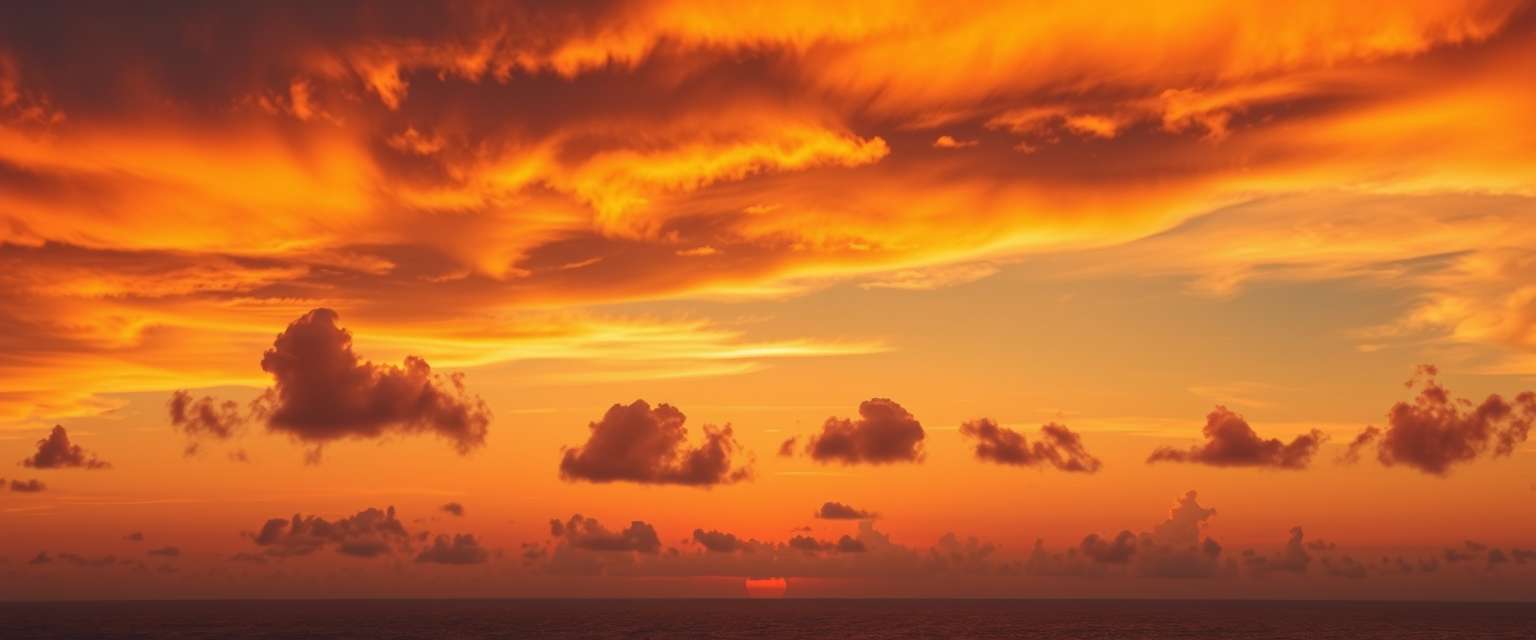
[(843, 619)]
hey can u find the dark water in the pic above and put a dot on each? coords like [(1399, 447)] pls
[(764, 619)]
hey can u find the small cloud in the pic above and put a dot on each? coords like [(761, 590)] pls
[(950, 142), (589, 534), (28, 486), (1057, 446), (840, 511), (1437, 431), (884, 433), (705, 250), (56, 452), (638, 443), (1230, 442), (459, 549)]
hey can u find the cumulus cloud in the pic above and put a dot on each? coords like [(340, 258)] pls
[(367, 534), (457, 549), (951, 142), (840, 511), (1437, 431), (787, 447), (27, 486), (1292, 558), (636, 443), (1119, 550), (718, 541), (1175, 548), (866, 553), (322, 391), (1058, 446), (1230, 442), (453, 508), (164, 552), (56, 452), (75, 559), (589, 534), (205, 415), (1345, 567), (844, 544), (884, 433)]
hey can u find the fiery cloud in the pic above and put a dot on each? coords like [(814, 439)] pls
[(377, 150)]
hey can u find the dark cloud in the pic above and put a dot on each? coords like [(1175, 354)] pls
[(28, 486), (589, 534), (1292, 558), (367, 534), (636, 443), (164, 552), (1230, 442), (718, 541), (971, 554), (845, 544), (884, 433), (1345, 567), (251, 558), (458, 549), (840, 511), (1455, 556), (1321, 545), (56, 452), (204, 416), (1120, 550), (137, 536), (533, 552), (1175, 548), (1437, 431), (454, 508), (1058, 446), (322, 391), (849, 544), (787, 448), (74, 559)]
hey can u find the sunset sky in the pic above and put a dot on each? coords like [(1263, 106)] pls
[(1163, 299)]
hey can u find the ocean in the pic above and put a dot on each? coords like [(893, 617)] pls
[(789, 618)]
